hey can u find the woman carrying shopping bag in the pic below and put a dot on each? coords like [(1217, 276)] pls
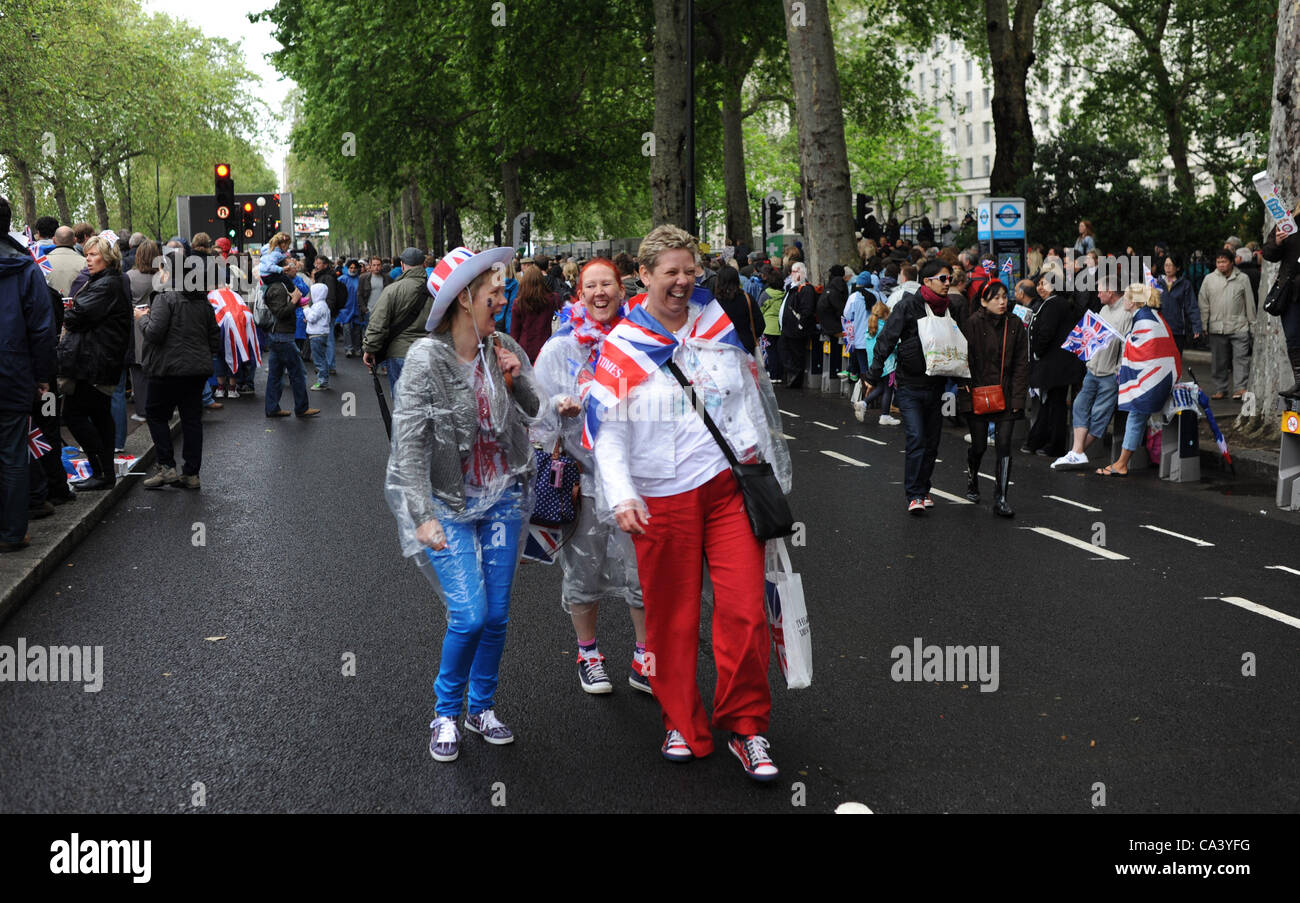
[(598, 559), (459, 481), (669, 484)]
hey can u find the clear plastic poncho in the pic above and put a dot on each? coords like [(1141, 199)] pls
[(439, 427)]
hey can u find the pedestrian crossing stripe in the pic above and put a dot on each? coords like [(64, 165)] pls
[(845, 458)]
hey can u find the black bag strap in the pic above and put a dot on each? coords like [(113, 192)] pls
[(699, 409), (401, 327)]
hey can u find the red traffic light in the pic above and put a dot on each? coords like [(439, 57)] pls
[(222, 170), (248, 208)]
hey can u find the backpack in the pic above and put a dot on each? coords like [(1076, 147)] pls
[(262, 316)]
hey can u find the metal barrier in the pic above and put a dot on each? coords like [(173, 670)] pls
[(1180, 448), (1288, 463)]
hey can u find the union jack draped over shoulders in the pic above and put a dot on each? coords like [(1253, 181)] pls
[(1150, 364), (238, 332)]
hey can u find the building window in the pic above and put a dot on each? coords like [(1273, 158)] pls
[(954, 208), (952, 73), (921, 86), (970, 134), (986, 164), (986, 98), (1065, 76), (988, 132), (969, 102), (953, 132), (936, 77), (969, 70), (970, 167)]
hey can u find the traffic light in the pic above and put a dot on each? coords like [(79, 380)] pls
[(246, 221), (526, 228), (863, 211), (225, 197), (775, 218)]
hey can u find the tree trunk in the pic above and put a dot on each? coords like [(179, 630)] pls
[(417, 217), (451, 216), (739, 225), (123, 201), (823, 158), (1011, 53), (437, 237), (672, 100), (101, 205), (395, 226), (1269, 365), (510, 192), (27, 187)]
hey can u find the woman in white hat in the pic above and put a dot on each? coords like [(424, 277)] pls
[(459, 480)]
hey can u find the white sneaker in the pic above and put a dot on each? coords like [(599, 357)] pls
[(1070, 460), (232, 393), (887, 420), (860, 411)]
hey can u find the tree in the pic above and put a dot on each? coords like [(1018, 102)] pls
[(1269, 362), (823, 158), (672, 159), (904, 162)]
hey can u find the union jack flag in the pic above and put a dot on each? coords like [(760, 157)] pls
[(1150, 364), (37, 254), (541, 544), (36, 444), (238, 332), (640, 345), (1090, 335), (1006, 267)]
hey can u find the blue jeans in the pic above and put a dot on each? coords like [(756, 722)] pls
[(320, 352), (13, 476), (921, 410), (394, 371), (329, 343), (119, 412), (1095, 403), (475, 573), (1135, 431), (282, 357)]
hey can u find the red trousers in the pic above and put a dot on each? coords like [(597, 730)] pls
[(707, 522)]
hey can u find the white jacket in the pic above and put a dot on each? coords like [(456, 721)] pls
[(317, 317), (655, 444)]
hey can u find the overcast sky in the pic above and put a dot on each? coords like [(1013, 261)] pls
[(229, 20)]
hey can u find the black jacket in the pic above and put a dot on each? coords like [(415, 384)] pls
[(984, 342), (1287, 253), (277, 296), (181, 335), (900, 331), (830, 307), (98, 331), (747, 317), (27, 331), (363, 291), (1053, 366), (800, 320)]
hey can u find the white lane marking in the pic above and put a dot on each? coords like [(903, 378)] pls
[(994, 479), (845, 458), (1281, 567), (952, 498), (1071, 502), (1200, 542), (825, 426), (1261, 610), (869, 439), (789, 413), (1078, 543), (853, 809), (786, 436)]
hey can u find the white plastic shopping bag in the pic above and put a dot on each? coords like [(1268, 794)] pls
[(943, 345), (787, 615)]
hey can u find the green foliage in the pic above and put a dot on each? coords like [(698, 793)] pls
[(903, 162)]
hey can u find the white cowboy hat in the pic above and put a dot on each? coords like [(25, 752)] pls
[(455, 272)]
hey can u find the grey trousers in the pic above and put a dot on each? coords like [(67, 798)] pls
[(1225, 349)]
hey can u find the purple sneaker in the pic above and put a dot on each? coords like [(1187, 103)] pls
[(444, 745), (485, 723)]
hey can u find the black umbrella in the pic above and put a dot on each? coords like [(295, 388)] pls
[(383, 404)]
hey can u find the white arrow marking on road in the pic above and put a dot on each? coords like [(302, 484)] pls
[(1281, 567), (869, 439), (825, 426), (786, 436), (1261, 610), (952, 498), (1193, 539), (1071, 502), (1078, 543), (789, 413), (845, 458)]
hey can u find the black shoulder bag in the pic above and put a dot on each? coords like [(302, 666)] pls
[(768, 509)]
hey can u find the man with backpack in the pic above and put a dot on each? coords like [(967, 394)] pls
[(282, 302), (397, 319)]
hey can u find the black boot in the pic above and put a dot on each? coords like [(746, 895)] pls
[(1000, 506), (1294, 391), (973, 475)]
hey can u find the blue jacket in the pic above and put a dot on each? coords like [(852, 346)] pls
[(26, 329), (1179, 307), (512, 292), (348, 313)]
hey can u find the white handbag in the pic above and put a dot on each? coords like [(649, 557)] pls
[(943, 345)]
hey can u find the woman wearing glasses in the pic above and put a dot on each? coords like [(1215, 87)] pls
[(919, 397)]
